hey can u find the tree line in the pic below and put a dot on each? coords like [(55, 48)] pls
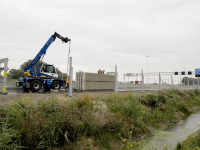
[(16, 73), (186, 79)]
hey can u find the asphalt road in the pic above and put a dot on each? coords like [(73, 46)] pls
[(12, 89)]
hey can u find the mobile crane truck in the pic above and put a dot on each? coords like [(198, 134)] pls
[(42, 76)]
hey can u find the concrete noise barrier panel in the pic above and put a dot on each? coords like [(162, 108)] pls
[(98, 86), (93, 81), (93, 77)]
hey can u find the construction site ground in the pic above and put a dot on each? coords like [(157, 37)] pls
[(8, 99)]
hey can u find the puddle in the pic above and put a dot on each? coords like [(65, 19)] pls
[(174, 135)]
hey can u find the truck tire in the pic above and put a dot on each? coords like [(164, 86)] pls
[(36, 85), (56, 85)]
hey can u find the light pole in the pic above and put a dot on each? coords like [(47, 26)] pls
[(147, 68)]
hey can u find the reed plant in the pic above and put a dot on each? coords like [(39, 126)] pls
[(116, 121)]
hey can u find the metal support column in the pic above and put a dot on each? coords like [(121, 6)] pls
[(188, 84), (193, 84), (70, 78), (171, 82), (142, 82), (116, 77), (181, 83), (159, 82), (5, 68)]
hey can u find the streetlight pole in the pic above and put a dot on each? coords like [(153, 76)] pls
[(147, 68)]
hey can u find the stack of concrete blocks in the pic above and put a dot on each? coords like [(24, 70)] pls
[(93, 81)]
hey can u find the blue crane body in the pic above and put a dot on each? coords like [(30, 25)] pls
[(46, 76)]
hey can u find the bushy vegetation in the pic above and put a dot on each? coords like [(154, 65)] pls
[(112, 122)]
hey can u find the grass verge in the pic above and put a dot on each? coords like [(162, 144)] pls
[(113, 122)]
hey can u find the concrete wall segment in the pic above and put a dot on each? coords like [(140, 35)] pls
[(94, 77)]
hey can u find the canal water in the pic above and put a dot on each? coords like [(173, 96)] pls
[(171, 137)]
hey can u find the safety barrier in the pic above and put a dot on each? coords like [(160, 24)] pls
[(5, 68)]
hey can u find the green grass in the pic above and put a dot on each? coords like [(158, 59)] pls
[(113, 122), (191, 143)]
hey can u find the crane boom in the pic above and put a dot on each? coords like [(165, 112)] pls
[(44, 49)]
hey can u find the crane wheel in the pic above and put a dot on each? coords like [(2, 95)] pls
[(56, 85), (36, 85)]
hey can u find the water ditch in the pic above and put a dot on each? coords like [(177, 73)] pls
[(174, 135)]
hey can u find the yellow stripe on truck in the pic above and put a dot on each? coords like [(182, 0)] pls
[(5, 73)]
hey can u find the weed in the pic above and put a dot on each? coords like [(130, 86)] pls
[(112, 122)]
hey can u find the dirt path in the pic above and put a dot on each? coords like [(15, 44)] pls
[(8, 99)]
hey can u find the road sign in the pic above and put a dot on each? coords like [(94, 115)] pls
[(128, 74), (197, 72)]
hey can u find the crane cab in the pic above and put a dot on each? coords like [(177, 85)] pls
[(48, 70)]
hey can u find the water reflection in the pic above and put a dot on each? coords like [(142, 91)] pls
[(174, 135)]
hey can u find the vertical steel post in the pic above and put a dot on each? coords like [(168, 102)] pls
[(171, 82), (70, 78), (142, 82), (5, 61), (188, 84), (193, 84), (159, 82), (116, 74), (181, 83)]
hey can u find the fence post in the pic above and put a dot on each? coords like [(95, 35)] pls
[(142, 82), (193, 84), (181, 83), (188, 84), (70, 78), (171, 82), (159, 82), (116, 74)]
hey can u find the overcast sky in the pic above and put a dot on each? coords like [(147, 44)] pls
[(104, 33)]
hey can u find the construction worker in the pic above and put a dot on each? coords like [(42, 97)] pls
[(99, 72), (67, 82), (45, 68)]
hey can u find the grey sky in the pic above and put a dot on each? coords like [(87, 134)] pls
[(104, 33)]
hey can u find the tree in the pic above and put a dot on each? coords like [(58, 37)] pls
[(186, 79), (64, 76), (15, 73), (25, 64), (60, 74)]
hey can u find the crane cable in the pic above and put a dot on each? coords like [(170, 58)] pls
[(68, 59)]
